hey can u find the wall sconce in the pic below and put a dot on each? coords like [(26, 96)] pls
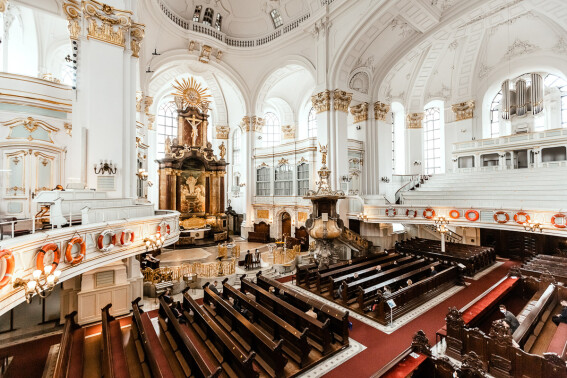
[(385, 179), (105, 167), (362, 217), (441, 223), (346, 178), (533, 226), (416, 162), (154, 242), (242, 185), (142, 174), (42, 283)]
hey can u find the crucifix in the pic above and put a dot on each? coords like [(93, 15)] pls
[(194, 122)]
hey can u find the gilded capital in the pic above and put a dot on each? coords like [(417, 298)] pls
[(463, 110), (3, 5), (414, 120), (137, 32), (245, 124), (360, 112), (321, 101), (341, 100), (148, 101), (139, 98), (151, 119), (106, 23), (257, 124), (222, 132), (72, 10), (380, 111), (288, 131)]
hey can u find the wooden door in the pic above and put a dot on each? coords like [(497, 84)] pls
[(286, 225)]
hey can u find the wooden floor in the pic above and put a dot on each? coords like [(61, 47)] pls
[(546, 334)]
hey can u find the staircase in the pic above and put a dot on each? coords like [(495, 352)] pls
[(450, 236), (354, 241)]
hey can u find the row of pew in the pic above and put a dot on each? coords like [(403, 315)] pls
[(261, 329), (473, 258), (555, 266), (368, 285)]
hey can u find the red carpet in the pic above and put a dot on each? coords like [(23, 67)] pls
[(494, 296), (382, 348), (27, 363)]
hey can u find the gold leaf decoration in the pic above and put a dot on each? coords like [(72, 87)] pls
[(192, 92)]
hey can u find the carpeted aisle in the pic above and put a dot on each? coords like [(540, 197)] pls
[(382, 348)]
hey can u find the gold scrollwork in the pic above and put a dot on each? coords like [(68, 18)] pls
[(414, 120), (114, 23), (341, 100), (380, 111), (3, 5), (463, 110), (360, 112), (321, 101), (137, 32)]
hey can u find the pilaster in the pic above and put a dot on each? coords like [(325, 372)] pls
[(414, 136)]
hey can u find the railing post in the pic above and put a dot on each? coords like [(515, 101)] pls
[(13, 224), (33, 225)]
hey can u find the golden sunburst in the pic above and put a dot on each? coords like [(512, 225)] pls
[(192, 92)]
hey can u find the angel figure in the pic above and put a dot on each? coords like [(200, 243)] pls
[(323, 151), (191, 181), (222, 149), (167, 145)]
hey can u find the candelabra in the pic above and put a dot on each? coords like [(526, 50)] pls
[(362, 217), (441, 225), (533, 226), (142, 174), (42, 283), (385, 179), (154, 242), (105, 167)]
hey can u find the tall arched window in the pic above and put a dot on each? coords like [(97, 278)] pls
[(283, 181), (302, 179), (398, 139), (312, 124), (236, 137), (276, 18), (272, 130), (263, 181), (166, 125), (197, 14), (495, 116), (218, 22), (432, 140), (208, 16)]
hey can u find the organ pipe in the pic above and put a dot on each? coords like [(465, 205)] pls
[(505, 101), (537, 93), (520, 97), (523, 98)]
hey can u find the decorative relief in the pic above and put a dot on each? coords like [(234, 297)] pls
[(302, 216), (320, 27), (148, 101), (263, 214), (257, 124), (51, 78), (139, 98), (68, 128), (3, 5), (205, 54), (359, 82), (106, 23), (30, 128), (463, 110), (137, 32), (72, 10), (561, 46), (404, 28), (519, 48), (288, 131), (263, 165), (151, 119), (222, 132), (471, 363), (360, 112), (322, 101), (380, 111), (483, 71), (283, 161), (414, 120), (302, 160), (341, 100), (420, 343)]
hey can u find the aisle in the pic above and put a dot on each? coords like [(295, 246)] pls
[(382, 348)]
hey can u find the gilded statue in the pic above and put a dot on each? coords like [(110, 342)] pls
[(323, 151), (194, 134), (222, 149), (191, 181)]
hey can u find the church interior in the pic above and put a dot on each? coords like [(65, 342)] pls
[(283, 188)]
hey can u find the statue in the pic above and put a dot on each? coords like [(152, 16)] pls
[(167, 146), (222, 149), (323, 151), (191, 181), (194, 134)]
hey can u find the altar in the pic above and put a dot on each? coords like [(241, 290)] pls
[(191, 176)]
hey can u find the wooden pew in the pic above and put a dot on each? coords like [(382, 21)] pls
[(338, 320), (558, 344), (303, 273), (319, 333), (193, 360), (322, 279), (367, 296), (113, 356), (234, 360), (69, 360), (269, 352), (528, 325), (409, 298), (335, 282), (350, 289), (152, 353), (295, 342)]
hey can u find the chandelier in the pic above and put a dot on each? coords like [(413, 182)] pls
[(42, 283)]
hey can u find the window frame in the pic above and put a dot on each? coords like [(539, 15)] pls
[(283, 181), (272, 130), (312, 123), (432, 139), (302, 179), (166, 125), (276, 18), (263, 187), (197, 13), (208, 16)]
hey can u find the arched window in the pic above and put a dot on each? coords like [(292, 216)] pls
[(302, 179), (272, 130), (218, 22), (398, 139), (432, 140), (553, 81), (276, 18), (166, 125), (283, 182), (312, 124), (263, 181), (495, 116), (197, 14), (236, 137), (208, 16)]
